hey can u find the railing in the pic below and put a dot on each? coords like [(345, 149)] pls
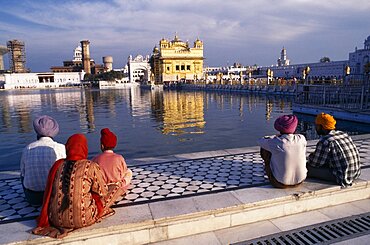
[(345, 97)]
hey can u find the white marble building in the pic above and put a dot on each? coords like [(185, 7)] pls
[(40, 80), (359, 58), (139, 69)]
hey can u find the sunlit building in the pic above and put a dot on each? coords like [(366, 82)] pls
[(175, 60)]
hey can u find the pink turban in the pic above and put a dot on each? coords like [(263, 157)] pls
[(286, 124), (46, 126)]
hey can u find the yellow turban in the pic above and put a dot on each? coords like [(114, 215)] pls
[(327, 121)]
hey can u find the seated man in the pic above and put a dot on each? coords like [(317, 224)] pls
[(285, 154), (38, 157), (336, 157), (113, 166)]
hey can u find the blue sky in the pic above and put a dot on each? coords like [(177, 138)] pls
[(245, 31)]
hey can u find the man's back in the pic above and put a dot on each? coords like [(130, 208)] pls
[(340, 154), (37, 158)]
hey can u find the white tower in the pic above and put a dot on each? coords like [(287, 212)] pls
[(283, 61)]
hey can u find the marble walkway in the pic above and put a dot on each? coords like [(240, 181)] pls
[(173, 179)]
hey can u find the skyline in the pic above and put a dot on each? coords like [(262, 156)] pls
[(233, 31)]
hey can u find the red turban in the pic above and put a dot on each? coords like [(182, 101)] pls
[(286, 124), (108, 139), (76, 147)]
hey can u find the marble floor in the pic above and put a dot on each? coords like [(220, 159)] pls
[(175, 179)]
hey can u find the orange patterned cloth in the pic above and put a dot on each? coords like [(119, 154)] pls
[(327, 121)]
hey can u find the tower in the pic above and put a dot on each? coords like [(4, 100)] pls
[(85, 44), (283, 61), (108, 63), (17, 56), (3, 50)]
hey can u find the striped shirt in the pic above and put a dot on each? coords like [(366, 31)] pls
[(337, 151), (37, 158)]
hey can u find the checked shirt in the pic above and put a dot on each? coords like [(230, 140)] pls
[(337, 151)]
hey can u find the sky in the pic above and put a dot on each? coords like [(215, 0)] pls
[(244, 31)]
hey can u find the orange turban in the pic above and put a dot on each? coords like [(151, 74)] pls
[(327, 121)]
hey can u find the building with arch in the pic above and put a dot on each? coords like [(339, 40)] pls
[(175, 60), (139, 69)]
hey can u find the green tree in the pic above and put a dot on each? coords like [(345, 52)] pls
[(325, 59)]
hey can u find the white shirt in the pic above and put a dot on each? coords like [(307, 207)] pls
[(288, 157), (37, 159)]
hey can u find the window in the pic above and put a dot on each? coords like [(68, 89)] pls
[(177, 67), (168, 68), (188, 67), (183, 67)]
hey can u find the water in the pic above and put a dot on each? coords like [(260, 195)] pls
[(147, 123)]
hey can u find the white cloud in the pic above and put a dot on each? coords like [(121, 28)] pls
[(125, 27)]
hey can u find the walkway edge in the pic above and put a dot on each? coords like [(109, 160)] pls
[(175, 226)]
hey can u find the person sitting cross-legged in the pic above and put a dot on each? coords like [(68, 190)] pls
[(284, 154), (113, 166), (38, 157), (76, 195), (336, 157)]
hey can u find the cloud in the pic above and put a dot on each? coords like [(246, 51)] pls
[(124, 27)]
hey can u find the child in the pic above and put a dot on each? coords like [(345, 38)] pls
[(113, 166), (285, 154)]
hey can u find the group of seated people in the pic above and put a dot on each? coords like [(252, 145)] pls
[(335, 158), (76, 192)]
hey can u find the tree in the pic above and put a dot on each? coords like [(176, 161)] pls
[(325, 59)]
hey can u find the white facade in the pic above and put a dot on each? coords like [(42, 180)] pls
[(77, 56), (333, 69), (41, 80), (139, 68), (283, 61), (359, 58)]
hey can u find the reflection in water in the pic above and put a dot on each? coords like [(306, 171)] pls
[(183, 113), (147, 122)]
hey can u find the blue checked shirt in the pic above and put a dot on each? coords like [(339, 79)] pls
[(37, 159), (338, 152)]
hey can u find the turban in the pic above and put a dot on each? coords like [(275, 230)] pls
[(76, 147), (46, 126), (286, 124), (108, 139), (327, 121)]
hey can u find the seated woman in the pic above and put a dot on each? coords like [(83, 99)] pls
[(285, 154), (76, 194)]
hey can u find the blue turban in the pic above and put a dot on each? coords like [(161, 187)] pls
[(46, 126)]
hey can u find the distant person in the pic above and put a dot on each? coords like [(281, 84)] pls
[(38, 157), (336, 157), (113, 166), (285, 154), (76, 195)]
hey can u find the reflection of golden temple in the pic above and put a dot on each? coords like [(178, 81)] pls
[(183, 113)]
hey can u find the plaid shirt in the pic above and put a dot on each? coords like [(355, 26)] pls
[(37, 159), (337, 151)]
